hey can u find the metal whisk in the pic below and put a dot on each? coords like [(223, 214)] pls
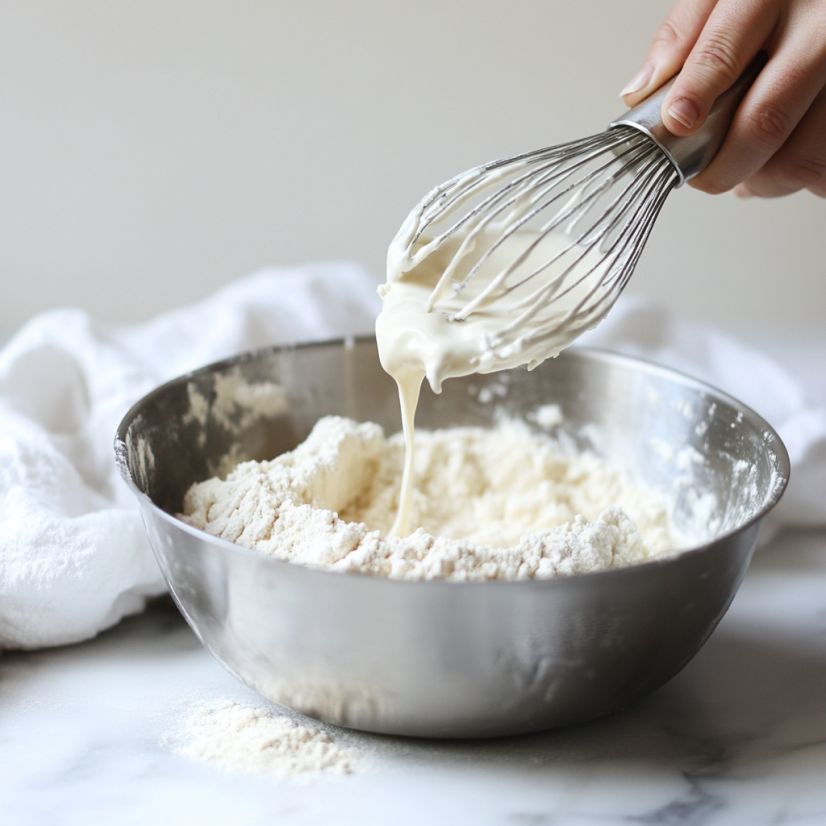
[(600, 195)]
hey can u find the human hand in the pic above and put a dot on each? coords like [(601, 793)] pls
[(776, 144)]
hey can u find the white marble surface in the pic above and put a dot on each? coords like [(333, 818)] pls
[(739, 737)]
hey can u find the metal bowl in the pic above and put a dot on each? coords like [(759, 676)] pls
[(454, 659)]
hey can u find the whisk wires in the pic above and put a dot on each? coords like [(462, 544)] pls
[(600, 194)]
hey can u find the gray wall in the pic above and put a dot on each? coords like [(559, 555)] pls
[(152, 151)]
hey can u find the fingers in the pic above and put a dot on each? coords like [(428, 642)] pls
[(773, 107), (800, 164), (777, 140), (670, 46), (734, 33)]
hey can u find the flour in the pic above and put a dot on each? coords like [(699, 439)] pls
[(235, 403), (546, 416), (238, 403), (500, 503), (253, 740)]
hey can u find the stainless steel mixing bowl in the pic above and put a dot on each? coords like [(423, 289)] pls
[(453, 659)]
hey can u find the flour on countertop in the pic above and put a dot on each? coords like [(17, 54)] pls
[(255, 740), (499, 503)]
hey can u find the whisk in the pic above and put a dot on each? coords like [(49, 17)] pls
[(602, 193)]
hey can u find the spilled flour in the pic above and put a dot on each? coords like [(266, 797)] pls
[(500, 503), (253, 740)]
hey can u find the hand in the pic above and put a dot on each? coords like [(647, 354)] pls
[(777, 142)]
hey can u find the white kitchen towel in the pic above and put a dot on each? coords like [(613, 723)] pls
[(74, 558)]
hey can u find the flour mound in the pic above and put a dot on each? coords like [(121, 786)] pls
[(252, 740), (499, 503)]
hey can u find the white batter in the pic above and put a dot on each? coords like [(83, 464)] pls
[(419, 335)]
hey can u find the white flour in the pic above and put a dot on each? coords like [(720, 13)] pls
[(253, 740), (504, 503), (236, 403)]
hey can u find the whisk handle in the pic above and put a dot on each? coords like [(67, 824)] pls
[(692, 154)]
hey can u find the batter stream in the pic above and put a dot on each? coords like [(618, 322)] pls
[(418, 340)]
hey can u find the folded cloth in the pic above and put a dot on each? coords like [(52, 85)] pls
[(74, 558)]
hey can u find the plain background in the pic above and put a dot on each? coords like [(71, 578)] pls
[(153, 151)]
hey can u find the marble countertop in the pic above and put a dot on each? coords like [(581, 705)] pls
[(739, 737)]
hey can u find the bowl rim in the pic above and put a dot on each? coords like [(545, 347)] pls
[(778, 455)]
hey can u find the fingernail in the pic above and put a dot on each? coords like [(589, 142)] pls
[(742, 191), (684, 112), (639, 81)]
